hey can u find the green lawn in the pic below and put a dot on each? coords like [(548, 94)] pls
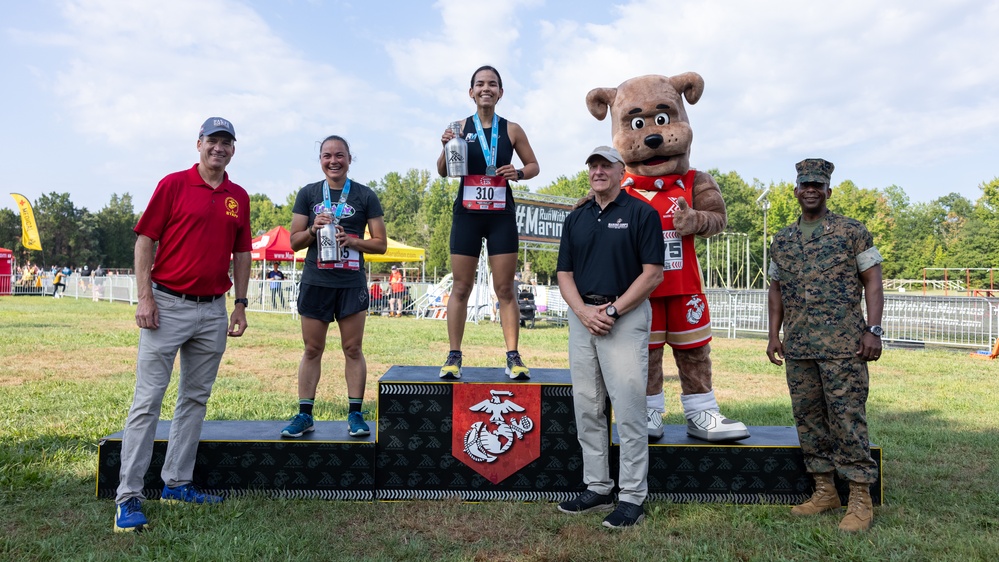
[(66, 381)]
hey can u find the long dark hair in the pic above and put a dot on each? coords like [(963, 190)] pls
[(471, 83)]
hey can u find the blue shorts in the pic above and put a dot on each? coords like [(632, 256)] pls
[(329, 304)]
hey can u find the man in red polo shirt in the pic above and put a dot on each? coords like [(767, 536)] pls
[(195, 220)]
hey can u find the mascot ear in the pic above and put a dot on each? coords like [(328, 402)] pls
[(690, 84), (598, 100)]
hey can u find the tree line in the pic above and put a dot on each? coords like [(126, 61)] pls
[(950, 231)]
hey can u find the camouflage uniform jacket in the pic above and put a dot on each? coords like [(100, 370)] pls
[(821, 288)]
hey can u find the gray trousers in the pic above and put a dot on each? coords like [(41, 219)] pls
[(198, 332), (615, 365)]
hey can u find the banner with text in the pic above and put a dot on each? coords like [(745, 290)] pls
[(29, 230), (541, 222)]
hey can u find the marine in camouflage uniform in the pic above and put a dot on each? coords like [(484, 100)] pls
[(821, 267)]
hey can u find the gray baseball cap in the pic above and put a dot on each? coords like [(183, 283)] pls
[(606, 152)]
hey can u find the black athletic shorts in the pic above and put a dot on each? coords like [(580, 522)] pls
[(499, 230), (329, 304)]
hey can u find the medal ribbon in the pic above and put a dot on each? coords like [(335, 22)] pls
[(340, 204), (490, 152)]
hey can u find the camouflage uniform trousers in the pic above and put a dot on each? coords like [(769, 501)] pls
[(829, 398)]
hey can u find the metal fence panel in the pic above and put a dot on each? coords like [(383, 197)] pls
[(967, 322)]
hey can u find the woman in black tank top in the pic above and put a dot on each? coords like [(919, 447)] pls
[(471, 222)]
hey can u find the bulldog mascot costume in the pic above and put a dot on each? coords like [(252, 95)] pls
[(651, 131)]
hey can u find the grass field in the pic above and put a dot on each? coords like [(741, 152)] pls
[(66, 381)]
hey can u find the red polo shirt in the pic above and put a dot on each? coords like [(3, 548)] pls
[(198, 229)]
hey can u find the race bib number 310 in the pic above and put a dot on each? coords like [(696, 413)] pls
[(484, 193)]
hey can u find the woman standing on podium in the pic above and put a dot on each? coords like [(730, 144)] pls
[(484, 208), (334, 286)]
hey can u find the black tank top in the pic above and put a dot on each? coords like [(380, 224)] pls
[(477, 161)]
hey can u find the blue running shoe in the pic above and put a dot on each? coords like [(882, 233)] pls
[(357, 426), (128, 516), (299, 426), (187, 494)]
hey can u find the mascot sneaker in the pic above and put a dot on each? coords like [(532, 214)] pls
[(655, 423), (710, 425)]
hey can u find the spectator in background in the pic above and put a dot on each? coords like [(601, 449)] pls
[(277, 287), (58, 280), (397, 288), (377, 298)]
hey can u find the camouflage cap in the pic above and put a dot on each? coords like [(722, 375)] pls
[(814, 170)]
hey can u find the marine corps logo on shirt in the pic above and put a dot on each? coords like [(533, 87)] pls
[(231, 207)]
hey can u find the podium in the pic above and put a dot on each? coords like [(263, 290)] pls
[(483, 437)]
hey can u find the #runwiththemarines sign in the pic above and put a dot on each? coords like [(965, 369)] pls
[(541, 222)]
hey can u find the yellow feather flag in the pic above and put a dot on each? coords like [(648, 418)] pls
[(29, 230)]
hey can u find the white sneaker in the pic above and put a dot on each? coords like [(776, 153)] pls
[(654, 419), (711, 425)]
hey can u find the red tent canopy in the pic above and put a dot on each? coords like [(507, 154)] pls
[(273, 245)]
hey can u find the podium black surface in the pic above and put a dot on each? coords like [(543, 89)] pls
[(241, 456), (411, 453)]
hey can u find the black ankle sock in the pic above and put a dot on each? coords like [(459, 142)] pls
[(305, 407)]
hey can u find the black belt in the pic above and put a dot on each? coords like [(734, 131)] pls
[(192, 298), (597, 300)]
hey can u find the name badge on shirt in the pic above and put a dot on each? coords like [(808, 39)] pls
[(484, 193), (349, 259)]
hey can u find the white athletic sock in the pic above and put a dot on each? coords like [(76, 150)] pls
[(696, 403), (656, 402)]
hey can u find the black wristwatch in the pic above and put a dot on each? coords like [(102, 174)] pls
[(520, 174), (611, 311), (876, 330), (244, 302)]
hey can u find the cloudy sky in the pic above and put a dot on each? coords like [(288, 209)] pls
[(106, 96)]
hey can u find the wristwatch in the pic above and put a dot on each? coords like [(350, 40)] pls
[(520, 174), (876, 330), (244, 302), (612, 312)]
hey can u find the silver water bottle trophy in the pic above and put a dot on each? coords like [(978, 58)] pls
[(456, 153), (329, 247)]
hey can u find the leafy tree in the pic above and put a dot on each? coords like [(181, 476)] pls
[(113, 228), (10, 232), (576, 187), (66, 237), (265, 215), (434, 218), (401, 197)]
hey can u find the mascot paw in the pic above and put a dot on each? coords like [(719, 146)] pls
[(685, 219), (654, 420), (711, 425)]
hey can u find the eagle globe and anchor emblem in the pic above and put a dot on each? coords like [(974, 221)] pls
[(483, 445)]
